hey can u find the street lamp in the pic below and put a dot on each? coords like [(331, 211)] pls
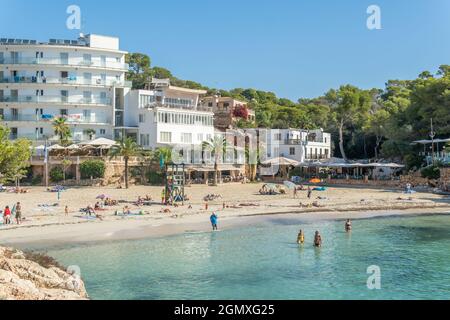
[(432, 135)]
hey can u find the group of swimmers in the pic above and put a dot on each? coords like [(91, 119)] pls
[(318, 237)]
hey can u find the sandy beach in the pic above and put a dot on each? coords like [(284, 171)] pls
[(46, 223)]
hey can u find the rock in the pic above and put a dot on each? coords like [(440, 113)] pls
[(22, 279)]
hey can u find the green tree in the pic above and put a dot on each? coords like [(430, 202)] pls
[(66, 163), (140, 69), (126, 149), (14, 156), (348, 105)]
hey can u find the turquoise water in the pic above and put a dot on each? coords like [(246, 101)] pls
[(263, 262)]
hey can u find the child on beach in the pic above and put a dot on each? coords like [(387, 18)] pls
[(7, 215)]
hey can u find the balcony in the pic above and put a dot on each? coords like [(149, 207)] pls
[(66, 81), (56, 100), (65, 62), (71, 119)]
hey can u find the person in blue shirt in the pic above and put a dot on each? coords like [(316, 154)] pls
[(214, 219)]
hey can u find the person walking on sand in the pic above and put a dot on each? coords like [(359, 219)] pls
[(66, 211), (309, 192), (213, 220), (295, 193), (7, 215), (317, 240), (18, 213)]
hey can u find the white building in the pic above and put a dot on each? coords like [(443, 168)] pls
[(82, 80), (167, 116), (298, 144)]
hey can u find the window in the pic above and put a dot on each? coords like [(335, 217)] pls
[(64, 95), (64, 74), (64, 57), (292, 151), (102, 131), (103, 61), (277, 137), (87, 59), (200, 137), (208, 137), (146, 101), (87, 115), (87, 96), (145, 139), (186, 138), (63, 112), (165, 137), (141, 118)]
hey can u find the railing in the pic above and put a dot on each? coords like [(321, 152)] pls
[(55, 99), (70, 120), (65, 62), (300, 142), (70, 81)]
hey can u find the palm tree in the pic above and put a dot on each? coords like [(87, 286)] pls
[(216, 146), (252, 160), (66, 163), (126, 148), (90, 133), (62, 130)]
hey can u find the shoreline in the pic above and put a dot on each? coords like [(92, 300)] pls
[(144, 231), (239, 205)]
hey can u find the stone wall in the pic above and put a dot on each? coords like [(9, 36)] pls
[(445, 179)]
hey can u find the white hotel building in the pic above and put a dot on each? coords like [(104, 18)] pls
[(167, 116), (82, 80), (297, 144)]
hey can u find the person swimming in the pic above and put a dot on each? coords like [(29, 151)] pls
[(348, 225), (301, 237), (317, 240)]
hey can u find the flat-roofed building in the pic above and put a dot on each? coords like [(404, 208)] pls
[(81, 80)]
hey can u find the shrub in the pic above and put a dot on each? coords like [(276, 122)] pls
[(35, 181), (56, 174), (155, 178), (92, 168), (431, 172)]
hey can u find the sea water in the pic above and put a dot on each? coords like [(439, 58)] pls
[(264, 262)]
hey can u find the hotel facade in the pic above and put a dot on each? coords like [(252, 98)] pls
[(81, 80)]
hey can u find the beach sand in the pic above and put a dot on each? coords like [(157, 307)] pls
[(49, 225)]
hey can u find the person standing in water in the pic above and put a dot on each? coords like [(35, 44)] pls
[(317, 240), (348, 225), (213, 220), (301, 237)]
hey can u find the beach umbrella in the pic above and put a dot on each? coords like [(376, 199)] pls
[(315, 180), (290, 185)]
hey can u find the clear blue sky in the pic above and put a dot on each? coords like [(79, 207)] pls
[(295, 48)]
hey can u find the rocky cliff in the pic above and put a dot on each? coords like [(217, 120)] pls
[(21, 278)]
